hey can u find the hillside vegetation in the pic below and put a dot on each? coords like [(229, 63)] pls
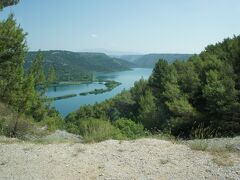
[(23, 106), (74, 66), (198, 98)]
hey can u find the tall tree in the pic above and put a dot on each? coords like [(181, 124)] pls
[(36, 69), (51, 77), (12, 52), (147, 111)]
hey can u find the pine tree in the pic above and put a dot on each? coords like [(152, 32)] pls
[(12, 53), (147, 111), (36, 70), (51, 77)]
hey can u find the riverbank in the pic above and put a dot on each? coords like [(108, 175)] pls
[(66, 106), (110, 85), (64, 83), (138, 159), (63, 97)]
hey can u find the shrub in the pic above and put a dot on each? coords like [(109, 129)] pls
[(72, 128), (201, 132), (12, 126), (95, 130), (53, 123), (3, 126), (129, 128)]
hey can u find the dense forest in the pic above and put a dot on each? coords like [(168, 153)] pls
[(198, 98), (74, 66)]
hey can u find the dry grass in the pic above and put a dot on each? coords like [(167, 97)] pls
[(222, 159), (198, 145), (5, 140), (221, 150)]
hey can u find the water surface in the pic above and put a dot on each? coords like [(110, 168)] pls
[(65, 106)]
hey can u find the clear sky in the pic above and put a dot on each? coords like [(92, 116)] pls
[(143, 26)]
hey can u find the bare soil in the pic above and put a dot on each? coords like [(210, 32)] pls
[(139, 159)]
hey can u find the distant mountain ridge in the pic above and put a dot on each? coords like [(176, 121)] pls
[(69, 64), (130, 58), (149, 60)]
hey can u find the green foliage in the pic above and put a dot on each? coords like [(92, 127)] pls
[(95, 130), (198, 98), (129, 128), (12, 51), (6, 3), (51, 76), (124, 103), (202, 132), (18, 90), (30, 94), (36, 70), (147, 111), (113, 113), (12, 124), (159, 75), (139, 89), (53, 123)]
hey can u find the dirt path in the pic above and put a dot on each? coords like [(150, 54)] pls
[(140, 159)]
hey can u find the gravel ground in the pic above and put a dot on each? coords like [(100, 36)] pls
[(140, 159)]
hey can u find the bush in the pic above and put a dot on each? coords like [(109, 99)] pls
[(95, 130), (12, 126), (72, 128), (3, 125), (129, 128), (53, 123)]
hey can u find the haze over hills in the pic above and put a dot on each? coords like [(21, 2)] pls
[(130, 58), (149, 60), (69, 65), (112, 53)]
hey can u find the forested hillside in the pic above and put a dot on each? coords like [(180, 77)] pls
[(73, 66), (22, 106), (149, 60), (198, 98)]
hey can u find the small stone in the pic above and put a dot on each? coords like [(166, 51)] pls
[(237, 147)]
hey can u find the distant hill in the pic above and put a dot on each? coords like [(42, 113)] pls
[(149, 60), (69, 65), (130, 58)]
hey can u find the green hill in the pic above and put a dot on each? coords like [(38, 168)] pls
[(75, 65)]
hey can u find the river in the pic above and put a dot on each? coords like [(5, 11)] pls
[(65, 106)]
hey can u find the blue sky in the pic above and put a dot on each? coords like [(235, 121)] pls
[(142, 26)]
